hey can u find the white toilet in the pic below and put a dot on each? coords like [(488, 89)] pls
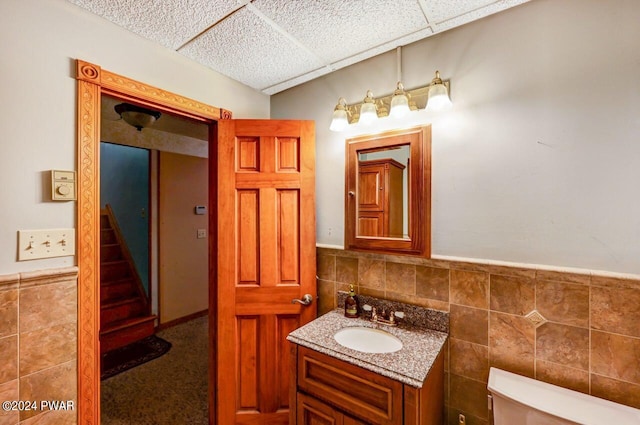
[(517, 400)]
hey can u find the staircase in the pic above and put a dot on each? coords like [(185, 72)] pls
[(124, 307)]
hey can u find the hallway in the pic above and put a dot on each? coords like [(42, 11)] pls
[(169, 390)]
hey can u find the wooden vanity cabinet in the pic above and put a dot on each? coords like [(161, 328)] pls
[(326, 390), (380, 194)]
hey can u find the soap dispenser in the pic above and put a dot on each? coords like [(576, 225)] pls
[(351, 304)]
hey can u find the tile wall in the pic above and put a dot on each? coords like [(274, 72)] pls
[(589, 340), (38, 344)]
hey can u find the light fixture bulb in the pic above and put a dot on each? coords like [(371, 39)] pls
[(340, 119), (438, 96), (368, 110), (399, 102)]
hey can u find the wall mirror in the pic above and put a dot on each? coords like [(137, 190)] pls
[(388, 192)]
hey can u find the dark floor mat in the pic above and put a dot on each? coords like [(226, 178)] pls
[(132, 355)]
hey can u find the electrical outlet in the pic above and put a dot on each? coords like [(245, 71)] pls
[(202, 233), (34, 244)]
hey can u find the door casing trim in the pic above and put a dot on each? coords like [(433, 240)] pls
[(92, 82)]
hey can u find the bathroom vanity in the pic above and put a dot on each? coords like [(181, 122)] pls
[(335, 384)]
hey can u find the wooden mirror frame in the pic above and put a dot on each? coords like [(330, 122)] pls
[(92, 82), (419, 241)]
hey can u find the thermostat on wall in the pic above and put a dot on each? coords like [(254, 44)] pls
[(200, 210), (63, 185)]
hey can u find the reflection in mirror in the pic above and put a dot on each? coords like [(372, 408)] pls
[(388, 192), (383, 192)]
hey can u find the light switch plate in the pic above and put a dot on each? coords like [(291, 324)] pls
[(35, 244)]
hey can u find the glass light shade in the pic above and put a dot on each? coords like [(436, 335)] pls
[(438, 98), (399, 105), (368, 113), (139, 120), (339, 121)]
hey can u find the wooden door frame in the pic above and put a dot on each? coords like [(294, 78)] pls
[(92, 82)]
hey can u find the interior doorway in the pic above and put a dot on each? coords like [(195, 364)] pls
[(154, 185), (92, 83)]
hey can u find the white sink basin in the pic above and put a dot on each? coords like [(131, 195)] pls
[(368, 340)]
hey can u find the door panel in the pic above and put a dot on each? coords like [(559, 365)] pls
[(266, 258)]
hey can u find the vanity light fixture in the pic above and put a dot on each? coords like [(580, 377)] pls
[(438, 96), (433, 97), (399, 102), (340, 119), (368, 109), (137, 116)]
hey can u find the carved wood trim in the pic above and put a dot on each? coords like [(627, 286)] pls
[(92, 81), (88, 248), (225, 114)]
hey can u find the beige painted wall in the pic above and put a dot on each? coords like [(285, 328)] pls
[(538, 160), (183, 274), (40, 41)]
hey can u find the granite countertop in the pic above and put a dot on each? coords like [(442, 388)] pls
[(410, 365)]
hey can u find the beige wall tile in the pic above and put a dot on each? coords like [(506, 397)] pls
[(563, 344), (8, 392), (616, 310), (614, 390), (326, 267), (563, 302), (8, 312), (327, 296), (432, 283), (47, 347), (371, 273), (615, 282), (515, 295), (56, 383), (583, 279), (44, 306), (401, 278), (469, 360), (347, 270), (562, 376), (469, 396), (371, 292), (469, 288), (511, 343), (494, 269), (8, 358), (469, 324), (615, 356)]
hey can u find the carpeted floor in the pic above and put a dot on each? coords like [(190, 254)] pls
[(171, 389)]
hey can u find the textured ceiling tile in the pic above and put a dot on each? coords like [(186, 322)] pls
[(170, 23), (337, 29), (249, 50), (473, 15), (441, 10)]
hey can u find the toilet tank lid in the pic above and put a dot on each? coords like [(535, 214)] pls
[(561, 402)]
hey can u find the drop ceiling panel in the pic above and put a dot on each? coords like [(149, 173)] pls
[(252, 51), (168, 22), (336, 29), (272, 45), (475, 14), (441, 10)]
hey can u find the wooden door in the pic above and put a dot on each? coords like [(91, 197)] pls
[(266, 258)]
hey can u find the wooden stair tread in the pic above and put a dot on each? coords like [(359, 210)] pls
[(121, 301), (118, 281), (125, 323)]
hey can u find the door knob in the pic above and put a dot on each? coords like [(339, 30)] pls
[(306, 300)]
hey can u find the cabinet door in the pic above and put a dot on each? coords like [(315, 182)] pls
[(371, 187), (312, 411)]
